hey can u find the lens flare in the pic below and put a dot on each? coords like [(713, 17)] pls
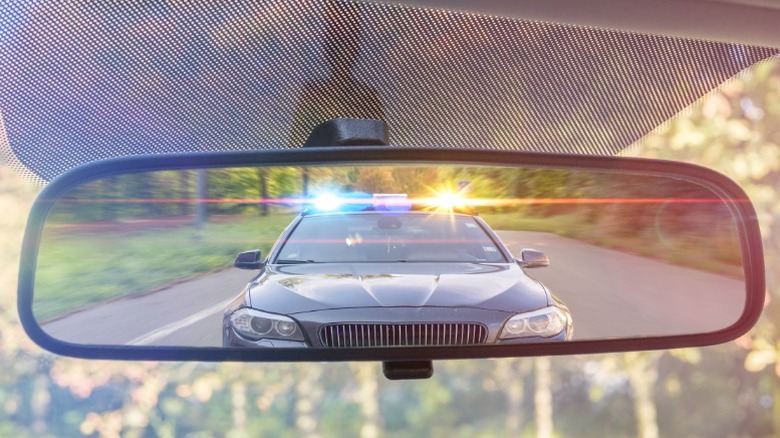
[(326, 202)]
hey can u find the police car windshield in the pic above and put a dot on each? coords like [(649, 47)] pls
[(378, 237)]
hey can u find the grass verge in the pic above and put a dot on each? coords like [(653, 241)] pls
[(79, 269)]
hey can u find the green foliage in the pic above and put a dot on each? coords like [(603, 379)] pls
[(735, 130), (81, 268)]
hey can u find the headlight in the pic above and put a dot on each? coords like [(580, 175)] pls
[(255, 325), (543, 322)]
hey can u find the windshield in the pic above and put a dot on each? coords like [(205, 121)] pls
[(83, 81), (369, 237), (102, 79)]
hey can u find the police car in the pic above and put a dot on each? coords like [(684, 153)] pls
[(361, 271)]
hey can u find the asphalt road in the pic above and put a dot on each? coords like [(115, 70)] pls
[(186, 314), (611, 294)]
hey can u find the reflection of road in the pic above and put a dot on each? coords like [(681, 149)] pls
[(614, 294), (188, 313), (609, 293)]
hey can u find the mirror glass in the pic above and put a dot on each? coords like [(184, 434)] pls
[(385, 256)]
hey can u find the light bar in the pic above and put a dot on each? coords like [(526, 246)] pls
[(392, 202)]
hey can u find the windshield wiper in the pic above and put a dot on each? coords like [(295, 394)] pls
[(293, 262)]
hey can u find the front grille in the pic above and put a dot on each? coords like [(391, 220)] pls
[(401, 335)]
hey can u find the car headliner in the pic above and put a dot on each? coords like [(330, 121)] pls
[(749, 22), (127, 80)]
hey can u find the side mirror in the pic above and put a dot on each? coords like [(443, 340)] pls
[(531, 258), (248, 260)]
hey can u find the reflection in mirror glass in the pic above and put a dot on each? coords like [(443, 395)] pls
[(385, 256)]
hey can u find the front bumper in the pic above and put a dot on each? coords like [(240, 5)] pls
[(311, 322)]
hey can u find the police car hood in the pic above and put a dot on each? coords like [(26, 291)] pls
[(296, 288)]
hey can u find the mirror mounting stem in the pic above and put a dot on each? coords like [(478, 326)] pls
[(349, 132), (407, 370)]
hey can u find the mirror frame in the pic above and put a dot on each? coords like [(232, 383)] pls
[(735, 198)]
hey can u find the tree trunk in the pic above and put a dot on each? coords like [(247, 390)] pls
[(309, 394), (305, 182), (543, 398), (238, 402), (512, 372), (263, 177), (184, 192), (642, 375), (368, 398), (40, 400), (200, 206)]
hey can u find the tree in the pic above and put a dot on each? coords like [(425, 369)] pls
[(736, 130)]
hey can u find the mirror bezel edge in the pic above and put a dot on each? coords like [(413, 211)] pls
[(744, 213)]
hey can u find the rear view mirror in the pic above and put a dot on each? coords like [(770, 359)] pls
[(381, 254)]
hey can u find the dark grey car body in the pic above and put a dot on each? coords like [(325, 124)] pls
[(362, 304)]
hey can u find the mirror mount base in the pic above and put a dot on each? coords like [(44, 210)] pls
[(408, 370), (349, 132)]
